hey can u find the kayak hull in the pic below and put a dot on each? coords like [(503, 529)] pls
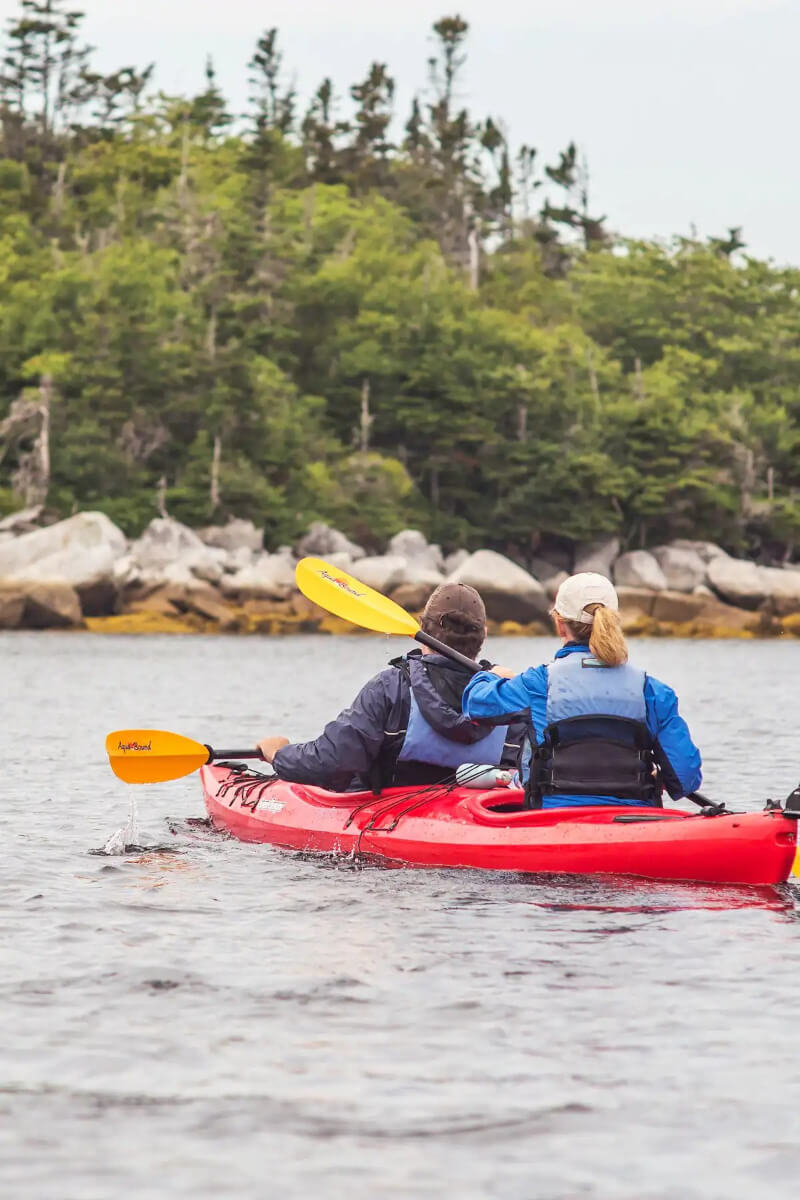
[(488, 830)]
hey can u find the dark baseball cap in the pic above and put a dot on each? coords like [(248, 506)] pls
[(459, 601)]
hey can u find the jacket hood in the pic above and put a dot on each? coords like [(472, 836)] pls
[(438, 685)]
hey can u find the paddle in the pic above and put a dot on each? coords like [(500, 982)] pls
[(154, 755), (346, 597)]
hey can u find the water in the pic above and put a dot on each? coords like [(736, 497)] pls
[(200, 1018)]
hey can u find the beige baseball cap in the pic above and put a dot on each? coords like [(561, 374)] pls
[(579, 591)]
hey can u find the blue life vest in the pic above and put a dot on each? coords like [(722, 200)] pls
[(578, 685), (596, 747), (423, 743)]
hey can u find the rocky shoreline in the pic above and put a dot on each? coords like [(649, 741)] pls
[(83, 573)]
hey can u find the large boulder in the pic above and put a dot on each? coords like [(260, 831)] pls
[(387, 572), (706, 550), (782, 587), (678, 607), (542, 569), (271, 576), (598, 555), (737, 581), (639, 569), (169, 553), (414, 546), (237, 560), (81, 552), (12, 606), (384, 572), (508, 591), (635, 606), (412, 596), (51, 606), (684, 570), (25, 520), (322, 541), (552, 584), (453, 561), (237, 535)]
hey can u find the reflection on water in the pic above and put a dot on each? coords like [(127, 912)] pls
[(196, 1017)]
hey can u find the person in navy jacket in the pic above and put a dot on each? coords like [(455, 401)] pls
[(603, 731), (406, 725)]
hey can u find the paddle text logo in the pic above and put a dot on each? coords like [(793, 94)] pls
[(341, 583), (137, 746)]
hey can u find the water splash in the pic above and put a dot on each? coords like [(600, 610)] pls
[(128, 835)]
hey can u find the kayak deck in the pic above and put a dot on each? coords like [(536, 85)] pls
[(463, 827)]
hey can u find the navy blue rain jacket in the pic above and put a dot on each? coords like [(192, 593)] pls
[(358, 750)]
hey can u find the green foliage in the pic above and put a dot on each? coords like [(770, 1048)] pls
[(297, 318)]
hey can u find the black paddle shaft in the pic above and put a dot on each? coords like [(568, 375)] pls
[(448, 651), (212, 754)]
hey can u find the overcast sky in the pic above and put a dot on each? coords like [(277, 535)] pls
[(687, 109)]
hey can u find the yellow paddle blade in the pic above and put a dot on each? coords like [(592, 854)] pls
[(344, 596), (796, 867), (153, 755)]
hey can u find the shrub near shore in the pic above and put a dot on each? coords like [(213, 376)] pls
[(371, 317)]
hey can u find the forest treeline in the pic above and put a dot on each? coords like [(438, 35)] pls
[(334, 311)]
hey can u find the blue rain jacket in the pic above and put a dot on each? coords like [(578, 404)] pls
[(487, 696)]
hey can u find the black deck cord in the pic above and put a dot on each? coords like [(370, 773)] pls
[(418, 799), (431, 791)]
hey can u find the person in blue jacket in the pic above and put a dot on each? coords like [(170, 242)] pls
[(603, 731), (406, 726)]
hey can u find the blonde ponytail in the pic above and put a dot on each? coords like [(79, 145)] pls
[(607, 641)]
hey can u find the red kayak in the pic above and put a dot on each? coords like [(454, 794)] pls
[(464, 827)]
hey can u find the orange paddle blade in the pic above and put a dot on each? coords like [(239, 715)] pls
[(153, 755), (345, 596)]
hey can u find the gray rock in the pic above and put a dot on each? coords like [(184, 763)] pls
[(782, 588), (412, 596), (413, 545), (51, 606), (552, 584), (340, 559), (26, 520), (81, 552), (635, 602), (639, 569), (12, 606), (321, 541), (237, 560), (596, 555), (684, 570), (270, 576), (234, 536), (737, 581), (509, 592), (171, 553), (453, 561), (386, 572), (706, 550), (542, 569)]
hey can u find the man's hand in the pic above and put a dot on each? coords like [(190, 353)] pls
[(504, 672), (270, 745)]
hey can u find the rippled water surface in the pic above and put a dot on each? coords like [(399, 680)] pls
[(202, 1018)]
